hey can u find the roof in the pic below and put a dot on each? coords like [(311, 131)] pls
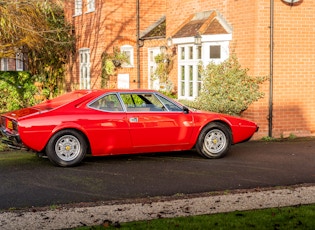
[(203, 23), (157, 29)]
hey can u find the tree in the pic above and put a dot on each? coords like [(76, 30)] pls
[(227, 88), (38, 30)]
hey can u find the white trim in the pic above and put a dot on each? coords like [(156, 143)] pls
[(204, 38)]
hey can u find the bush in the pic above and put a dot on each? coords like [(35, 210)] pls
[(227, 88), (17, 90)]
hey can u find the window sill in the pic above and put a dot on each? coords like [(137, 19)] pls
[(90, 11), (76, 15)]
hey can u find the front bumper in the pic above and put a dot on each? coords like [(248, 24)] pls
[(11, 140)]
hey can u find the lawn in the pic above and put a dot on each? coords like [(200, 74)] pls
[(298, 217)]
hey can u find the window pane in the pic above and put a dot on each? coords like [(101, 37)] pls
[(190, 52), (215, 52), (91, 5), (107, 103), (84, 69), (199, 84), (198, 50), (142, 102), (182, 88), (182, 73), (170, 105), (191, 78), (78, 7), (191, 73), (151, 56), (182, 53), (128, 51)]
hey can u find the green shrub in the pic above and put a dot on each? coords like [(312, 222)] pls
[(227, 88), (17, 90)]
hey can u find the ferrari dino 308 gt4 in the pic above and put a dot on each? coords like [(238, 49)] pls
[(109, 122)]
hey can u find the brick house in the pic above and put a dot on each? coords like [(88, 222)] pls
[(192, 31)]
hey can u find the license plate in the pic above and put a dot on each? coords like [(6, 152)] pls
[(9, 124)]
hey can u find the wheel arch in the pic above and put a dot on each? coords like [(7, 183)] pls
[(214, 139), (77, 129), (223, 122)]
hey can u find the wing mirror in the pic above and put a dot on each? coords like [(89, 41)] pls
[(185, 110)]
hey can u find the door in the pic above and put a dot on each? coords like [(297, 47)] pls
[(153, 125)]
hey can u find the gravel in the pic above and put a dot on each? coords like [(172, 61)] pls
[(75, 215)]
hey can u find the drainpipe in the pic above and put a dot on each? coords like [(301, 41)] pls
[(138, 43), (271, 70)]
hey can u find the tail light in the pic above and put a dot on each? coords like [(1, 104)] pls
[(2, 122), (9, 124)]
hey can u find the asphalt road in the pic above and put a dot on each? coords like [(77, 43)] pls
[(36, 182)]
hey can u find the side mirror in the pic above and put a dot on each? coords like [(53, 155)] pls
[(185, 110)]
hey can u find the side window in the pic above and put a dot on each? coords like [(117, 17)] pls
[(107, 103), (142, 102)]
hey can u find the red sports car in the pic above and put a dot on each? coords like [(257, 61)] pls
[(110, 122)]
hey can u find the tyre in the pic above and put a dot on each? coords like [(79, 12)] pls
[(214, 141), (66, 148)]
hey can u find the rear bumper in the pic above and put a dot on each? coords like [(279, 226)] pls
[(11, 140)]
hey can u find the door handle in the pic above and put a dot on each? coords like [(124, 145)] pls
[(133, 119)]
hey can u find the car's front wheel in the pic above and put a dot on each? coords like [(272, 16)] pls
[(214, 141), (66, 148)]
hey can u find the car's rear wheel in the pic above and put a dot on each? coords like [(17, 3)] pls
[(214, 141), (66, 148)]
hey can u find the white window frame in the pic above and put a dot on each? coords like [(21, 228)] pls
[(4, 64), (85, 74), (90, 5), (128, 49), (78, 7), (188, 91), (152, 52), (188, 78), (19, 62)]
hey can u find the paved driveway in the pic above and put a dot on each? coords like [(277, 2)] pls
[(35, 182)]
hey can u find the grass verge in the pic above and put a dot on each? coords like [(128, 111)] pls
[(297, 217)]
